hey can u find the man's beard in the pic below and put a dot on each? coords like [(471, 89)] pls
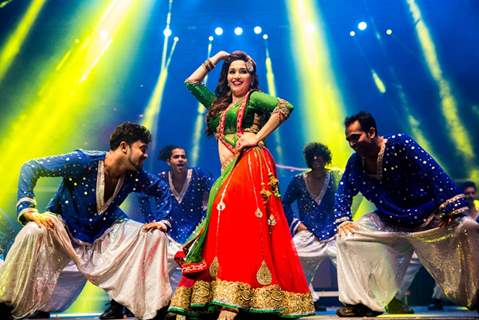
[(136, 166)]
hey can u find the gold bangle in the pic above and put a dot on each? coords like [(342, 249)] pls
[(208, 65)]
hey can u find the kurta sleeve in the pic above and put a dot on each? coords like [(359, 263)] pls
[(347, 189), (204, 95), (357, 199), (291, 195), (158, 190), (264, 103), (146, 204), (70, 164)]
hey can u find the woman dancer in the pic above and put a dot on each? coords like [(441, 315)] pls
[(241, 258)]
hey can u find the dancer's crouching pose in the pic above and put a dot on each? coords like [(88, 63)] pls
[(84, 224)]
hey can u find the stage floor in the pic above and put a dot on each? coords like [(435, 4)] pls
[(421, 313)]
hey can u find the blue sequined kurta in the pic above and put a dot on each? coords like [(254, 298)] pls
[(79, 198), (408, 187), (315, 213), (188, 207)]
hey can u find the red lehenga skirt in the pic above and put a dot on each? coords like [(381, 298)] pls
[(247, 258)]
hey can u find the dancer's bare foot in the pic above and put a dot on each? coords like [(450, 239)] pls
[(227, 315)]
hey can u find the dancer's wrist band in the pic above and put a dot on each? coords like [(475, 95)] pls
[(209, 65)]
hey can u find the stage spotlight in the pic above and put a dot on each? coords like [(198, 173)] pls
[(352, 33), (310, 27), (238, 31), (210, 38), (265, 36), (257, 30), (389, 32), (218, 31), (362, 25), (103, 34), (176, 39), (167, 32)]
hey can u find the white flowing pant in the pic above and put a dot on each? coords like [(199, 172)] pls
[(71, 281), (371, 262), (70, 284), (127, 262), (312, 252), (173, 268), (411, 271)]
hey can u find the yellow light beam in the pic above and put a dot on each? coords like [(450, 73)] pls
[(170, 56), (16, 39), (53, 122), (272, 91), (378, 82), (5, 3), (59, 108), (153, 108), (95, 61), (199, 121), (449, 106), (166, 33), (64, 59), (79, 66), (412, 122), (321, 104)]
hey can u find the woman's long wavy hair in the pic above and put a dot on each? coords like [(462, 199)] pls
[(223, 92)]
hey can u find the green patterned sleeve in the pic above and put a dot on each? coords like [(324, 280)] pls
[(264, 103), (204, 95)]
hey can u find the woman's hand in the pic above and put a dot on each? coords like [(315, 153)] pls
[(247, 140), (220, 55)]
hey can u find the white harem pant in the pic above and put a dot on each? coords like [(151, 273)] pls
[(128, 262), (371, 262), (312, 252)]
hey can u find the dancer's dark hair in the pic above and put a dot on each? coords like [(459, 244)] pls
[(223, 92), (129, 132)]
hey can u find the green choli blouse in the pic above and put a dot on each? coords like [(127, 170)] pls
[(258, 108)]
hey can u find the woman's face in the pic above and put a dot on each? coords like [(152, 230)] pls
[(239, 79)]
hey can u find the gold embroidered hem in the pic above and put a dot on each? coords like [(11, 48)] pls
[(201, 294), (268, 299), (181, 298), (297, 303)]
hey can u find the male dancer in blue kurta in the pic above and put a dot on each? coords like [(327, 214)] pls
[(418, 209), (312, 225), (189, 189), (83, 223)]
